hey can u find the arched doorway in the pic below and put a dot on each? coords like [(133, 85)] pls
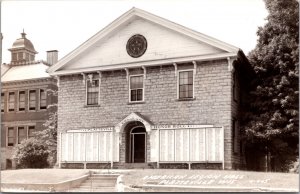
[(138, 137)]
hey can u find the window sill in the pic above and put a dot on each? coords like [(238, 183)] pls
[(94, 105), (186, 99), (136, 102)]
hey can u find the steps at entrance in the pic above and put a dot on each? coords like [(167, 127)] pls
[(98, 183), (136, 165)]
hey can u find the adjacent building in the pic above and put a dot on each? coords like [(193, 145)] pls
[(147, 92), (26, 91)]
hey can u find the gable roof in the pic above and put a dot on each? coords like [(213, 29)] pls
[(125, 19)]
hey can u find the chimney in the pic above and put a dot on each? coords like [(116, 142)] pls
[(52, 57)]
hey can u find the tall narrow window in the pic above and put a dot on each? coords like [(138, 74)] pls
[(92, 92), (43, 99), (14, 57), (234, 87), (21, 100), (32, 100), (185, 84), (31, 131), (21, 134), (2, 102), (20, 56), (136, 88), (235, 135), (10, 136), (11, 101)]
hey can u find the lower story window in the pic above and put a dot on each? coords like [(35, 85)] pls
[(10, 136), (21, 134), (31, 131)]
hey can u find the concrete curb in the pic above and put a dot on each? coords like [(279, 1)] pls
[(51, 187), (213, 189)]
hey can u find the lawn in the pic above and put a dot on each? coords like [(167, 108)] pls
[(212, 178), (40, 175)]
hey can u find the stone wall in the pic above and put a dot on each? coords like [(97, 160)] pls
[(212, 103)]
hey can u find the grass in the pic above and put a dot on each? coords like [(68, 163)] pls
[(240, 178), (40, 175)]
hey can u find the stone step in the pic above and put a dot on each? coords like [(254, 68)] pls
[(105, 184), (102, 178), (103, 189)]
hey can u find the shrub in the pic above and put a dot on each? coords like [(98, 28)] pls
[(31, 153)]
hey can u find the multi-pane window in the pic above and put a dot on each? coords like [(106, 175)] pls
[(92, 92), (136, 88), (185, 84), (31, 131), (21, 134), (10, 136), (32, 100), (2, 102), (11, 101), (43, 99), (21, 100)]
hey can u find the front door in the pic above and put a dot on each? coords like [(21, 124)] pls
[(138, 145)]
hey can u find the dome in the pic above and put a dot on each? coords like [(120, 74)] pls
[(23, 43)]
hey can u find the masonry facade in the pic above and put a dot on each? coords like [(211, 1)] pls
[(27, 90), (148, 92)]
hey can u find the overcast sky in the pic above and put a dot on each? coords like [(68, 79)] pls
[(64, 25)]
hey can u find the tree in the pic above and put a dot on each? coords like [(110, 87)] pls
[(271, 125), (31, 153)]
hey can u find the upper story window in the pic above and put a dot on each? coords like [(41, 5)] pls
[(43, 99), (10, 136), (11, 101), (92, 92), (136, 88), (21, 134), (186, 82), (32, 100), (31, 131), (2, 102), (21, 100)]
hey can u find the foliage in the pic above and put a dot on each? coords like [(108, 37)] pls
[(271, 125), (31, 153), (49, 136)]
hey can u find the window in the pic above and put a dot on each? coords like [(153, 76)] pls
[(186, 84), (43, 99), (11, 101), (27, 56), (92, 92), (10, 136), (14, 57), (21, 134), (21, 100), (2, 102), (20, 56), (31, 131), (32, 100), (136, 88), (234, 87)]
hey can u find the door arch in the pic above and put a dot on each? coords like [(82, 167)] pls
[(138, 144)]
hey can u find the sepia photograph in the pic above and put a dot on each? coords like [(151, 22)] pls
[(149, 96)]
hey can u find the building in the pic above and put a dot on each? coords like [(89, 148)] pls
[(146, 92), (25, 96)]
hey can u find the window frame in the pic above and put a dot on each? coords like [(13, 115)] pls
[(178, 82), (129, 88), (26, 133), (18, 106), (29, 100), (8, 103), (86, 92), (40, 99), (7, 136), (3, 98)]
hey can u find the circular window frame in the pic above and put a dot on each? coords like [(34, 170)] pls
[(143, 49)]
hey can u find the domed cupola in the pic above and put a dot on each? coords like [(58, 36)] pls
[(22, 50)]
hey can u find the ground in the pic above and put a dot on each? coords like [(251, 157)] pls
[(136, 179)]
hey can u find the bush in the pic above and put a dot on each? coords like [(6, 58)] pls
[(31, 153), (295, 166)]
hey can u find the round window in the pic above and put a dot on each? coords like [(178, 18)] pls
[(136, 46)]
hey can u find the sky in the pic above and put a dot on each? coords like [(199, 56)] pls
[(64, 25)]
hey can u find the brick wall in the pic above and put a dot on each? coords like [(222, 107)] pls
[(212, 103)]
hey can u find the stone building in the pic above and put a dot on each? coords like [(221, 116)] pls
[(26, 92), (147, 92)]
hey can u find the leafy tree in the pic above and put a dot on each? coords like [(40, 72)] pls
[(31, 153), (271, 124)]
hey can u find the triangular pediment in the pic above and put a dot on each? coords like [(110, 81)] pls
[(167, 42), (132, 118)]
